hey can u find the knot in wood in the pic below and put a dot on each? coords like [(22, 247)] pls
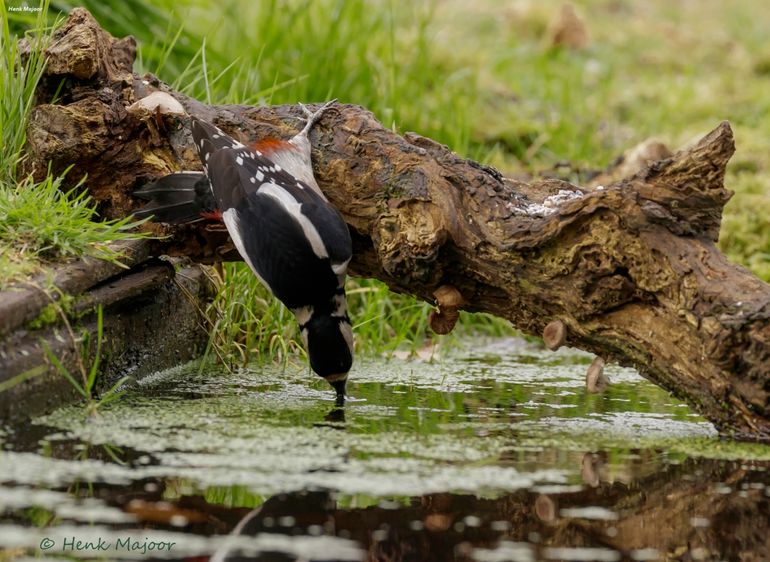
[(449, 300), (554, 335), (408, 240)]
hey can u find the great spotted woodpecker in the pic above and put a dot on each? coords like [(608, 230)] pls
[(282, 225)]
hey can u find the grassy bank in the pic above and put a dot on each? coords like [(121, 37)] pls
[(39, 223), (485, 79)]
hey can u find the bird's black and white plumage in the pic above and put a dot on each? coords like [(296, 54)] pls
[(284, 229)]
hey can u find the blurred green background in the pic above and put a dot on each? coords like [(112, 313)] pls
[(487, 77)]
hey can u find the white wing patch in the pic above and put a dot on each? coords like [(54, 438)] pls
[(293, 207), (221, 134), (230, 217), (341, 268)]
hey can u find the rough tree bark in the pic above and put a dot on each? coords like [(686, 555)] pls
[(630, 269)]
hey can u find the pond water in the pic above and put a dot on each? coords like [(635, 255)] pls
[(494, 452)]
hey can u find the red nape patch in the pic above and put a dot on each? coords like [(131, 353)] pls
[(215, 215), (271, 146)]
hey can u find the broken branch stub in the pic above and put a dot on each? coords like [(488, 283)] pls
[(555, 335), (449, 301), (631, 269), (596, 380)]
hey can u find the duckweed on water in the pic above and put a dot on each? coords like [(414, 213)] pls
[(480, 430)]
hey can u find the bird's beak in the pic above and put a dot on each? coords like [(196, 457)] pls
[(339, 387)]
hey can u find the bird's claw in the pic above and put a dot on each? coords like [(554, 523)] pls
[(313, 116), (308, 114)]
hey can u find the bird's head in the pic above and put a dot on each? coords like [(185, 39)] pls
[(329, 343)]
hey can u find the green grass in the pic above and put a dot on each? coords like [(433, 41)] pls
[(18, 81), (88, 356), (247, 324), (45, 223), (39, 223), (481, 78)]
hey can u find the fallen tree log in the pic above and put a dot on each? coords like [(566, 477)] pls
[(630, 269)]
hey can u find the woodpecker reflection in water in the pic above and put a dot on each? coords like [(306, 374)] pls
[(282, 225)]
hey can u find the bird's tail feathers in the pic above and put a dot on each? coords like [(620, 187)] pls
[(177, 198)]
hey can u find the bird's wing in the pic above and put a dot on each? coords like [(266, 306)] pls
[(295, 241), (276, 248), (238, 173)]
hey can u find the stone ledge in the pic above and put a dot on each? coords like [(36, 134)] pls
[(22, 302), (151, 322)]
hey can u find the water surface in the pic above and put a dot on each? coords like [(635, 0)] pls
[(493, 453)]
